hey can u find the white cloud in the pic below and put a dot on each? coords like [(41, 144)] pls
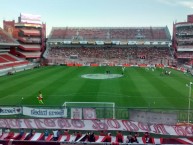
[(184, 3), (168, 2), (187, 3)]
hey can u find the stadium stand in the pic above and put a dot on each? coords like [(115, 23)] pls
[(115, 55), (30, 34), (70, 33), (182, 41), (38, 137), (5, 38), (27, 47), (135, 45), (7, 60), (70, 45), (29, 40), (8, 57)]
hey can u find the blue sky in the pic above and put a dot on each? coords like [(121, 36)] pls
[(99, 13)]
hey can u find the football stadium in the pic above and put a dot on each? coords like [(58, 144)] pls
[(95, 85)]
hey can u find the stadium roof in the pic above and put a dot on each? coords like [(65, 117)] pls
[(30, 54)]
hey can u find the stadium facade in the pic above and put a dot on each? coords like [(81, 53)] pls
[(30, 32), (182, 41)]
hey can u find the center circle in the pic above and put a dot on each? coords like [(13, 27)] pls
[(101, 76)]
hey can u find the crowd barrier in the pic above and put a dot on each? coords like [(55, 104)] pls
[(99, 141), (122, 113)]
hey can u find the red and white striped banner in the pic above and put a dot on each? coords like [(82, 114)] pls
[(108, 124)]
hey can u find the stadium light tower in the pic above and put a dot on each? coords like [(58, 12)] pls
[(189, 97)]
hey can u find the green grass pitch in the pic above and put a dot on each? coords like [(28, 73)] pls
[(137, 88)]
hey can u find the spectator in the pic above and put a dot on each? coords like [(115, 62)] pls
[(119, 137), (78, 135), (129, 138), (108, 137), (102, 133), (147, 137), (135, 137), (55, 135), (58, 133), (1, 132), (92, 137), (87, 138), (32, 133), (66, 132), (21, 133), (46, 133)]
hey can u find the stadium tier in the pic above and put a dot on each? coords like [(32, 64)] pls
[(29, 40), (144, 33), (30, 34), (116, 55), (12, 138), (183, 40), (133, 45), (35, 54), (8, 57), (7, 60), (5, 39), (32, 47)]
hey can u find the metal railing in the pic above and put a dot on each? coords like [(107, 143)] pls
[(121, 113)]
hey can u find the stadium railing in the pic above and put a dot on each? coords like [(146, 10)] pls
[(120, 113)]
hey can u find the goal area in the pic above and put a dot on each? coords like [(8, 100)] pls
[(103, 109)]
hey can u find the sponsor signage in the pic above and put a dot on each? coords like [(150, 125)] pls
[(184, 49), (155, 43), (29, 18), (163, 43), (147, 43), (10, 110), (153, 117), (107, 42), (44, 113), (132, 42), (91, 42), (107, 124), (76, 113), (67, 42), (99, 42), (116, 42), (75, 42), (89, 113), (140, 42), (83, 42), (27, 25), (123, 43)]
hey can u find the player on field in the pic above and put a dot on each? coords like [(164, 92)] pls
[(123, 70), (40, 98)]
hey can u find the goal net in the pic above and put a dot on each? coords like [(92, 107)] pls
[(103, 109)]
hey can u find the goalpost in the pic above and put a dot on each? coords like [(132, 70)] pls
[(110, 106)]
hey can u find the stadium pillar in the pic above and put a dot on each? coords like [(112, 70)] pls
[(189, 97)]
